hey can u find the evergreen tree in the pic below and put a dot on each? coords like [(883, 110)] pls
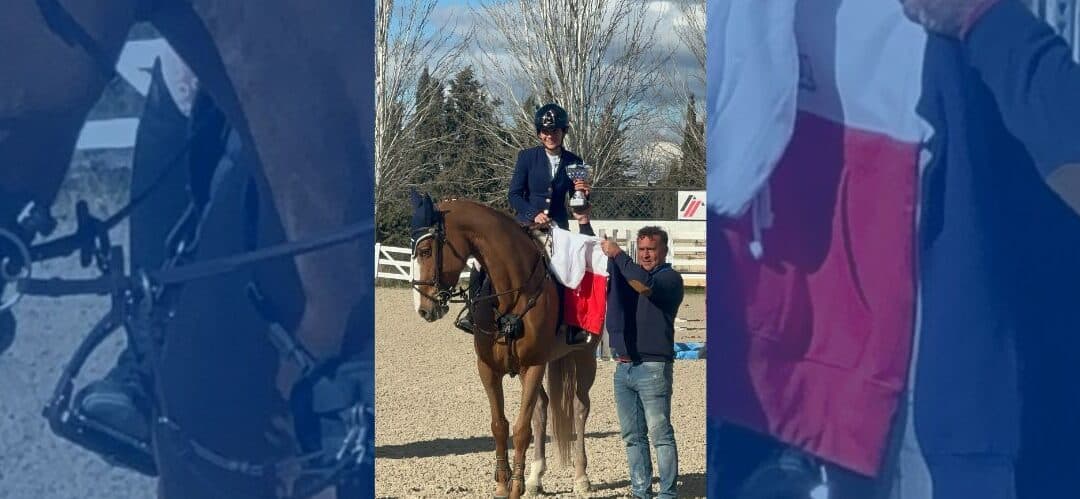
[(429, 129), (693, 148), (610, 132), (471, 168), (688, 171)]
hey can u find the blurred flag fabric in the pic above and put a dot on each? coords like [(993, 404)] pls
[(822, 273), (896, 228)]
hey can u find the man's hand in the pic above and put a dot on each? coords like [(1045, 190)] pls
[(583, 217), (542, 218), (952, 18), (610, 248)]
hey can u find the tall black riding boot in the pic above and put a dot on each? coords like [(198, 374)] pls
[(577, 336), (119, 401), (477, 281)]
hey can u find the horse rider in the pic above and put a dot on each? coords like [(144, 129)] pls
[(540, 184), (540, 187)]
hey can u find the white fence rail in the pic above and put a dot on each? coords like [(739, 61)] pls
[(687, 253), (392, 262), (686, 244)]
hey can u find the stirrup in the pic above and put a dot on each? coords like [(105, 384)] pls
[(464, 321), (576, 336), (115, 447)]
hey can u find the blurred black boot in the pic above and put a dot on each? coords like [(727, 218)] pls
[(478, 283), (119, 401)]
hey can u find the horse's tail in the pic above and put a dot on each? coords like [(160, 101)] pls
[(562, 389)]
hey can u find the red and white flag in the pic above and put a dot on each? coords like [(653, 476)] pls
[(579, 264), (822, 279)]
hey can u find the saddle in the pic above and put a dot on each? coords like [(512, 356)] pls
[(483, 311)]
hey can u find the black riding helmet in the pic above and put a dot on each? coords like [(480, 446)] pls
[(551, 116)]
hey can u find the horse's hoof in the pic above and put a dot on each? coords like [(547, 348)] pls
[(533, 489), (582, 486)]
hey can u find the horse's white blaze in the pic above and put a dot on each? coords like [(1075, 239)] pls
[(414, 273)]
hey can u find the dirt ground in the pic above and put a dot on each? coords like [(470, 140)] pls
[(433, 424)]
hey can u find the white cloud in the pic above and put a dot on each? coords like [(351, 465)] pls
[(667, 105), (669, 14)]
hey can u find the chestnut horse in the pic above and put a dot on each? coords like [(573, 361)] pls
[(294, 79), (516, 324)]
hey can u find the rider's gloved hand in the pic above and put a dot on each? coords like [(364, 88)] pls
[(542, 218), (581, 185)]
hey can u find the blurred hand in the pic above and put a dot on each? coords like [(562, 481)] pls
[(952, 18), (542, 218), (583, 217), (581, 185), (610, 248)]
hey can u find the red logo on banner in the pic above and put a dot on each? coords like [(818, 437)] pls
[(690, 207)]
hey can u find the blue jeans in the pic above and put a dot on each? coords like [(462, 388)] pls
[(643, 401)]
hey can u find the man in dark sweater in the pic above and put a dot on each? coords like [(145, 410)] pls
[(994, 399), (642, 302)]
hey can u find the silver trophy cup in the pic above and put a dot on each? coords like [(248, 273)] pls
[(578, 201)]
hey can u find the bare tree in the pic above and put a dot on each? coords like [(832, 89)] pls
[(691, 31), (681, 80), (407, 42), (596, 58)]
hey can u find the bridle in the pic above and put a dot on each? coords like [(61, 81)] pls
[(444, 293)]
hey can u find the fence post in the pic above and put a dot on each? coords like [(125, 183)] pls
[(672, 253), (378, 254)]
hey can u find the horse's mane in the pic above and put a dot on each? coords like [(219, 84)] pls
[(511, 226), (506, 217)]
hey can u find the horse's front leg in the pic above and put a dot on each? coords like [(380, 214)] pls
[(500, 427), (534, 482), (531, 380), (586, 374)]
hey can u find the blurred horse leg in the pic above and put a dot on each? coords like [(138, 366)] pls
[(531, 380), (500, 427), (534, 482), (586, 375), (48, 88)]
